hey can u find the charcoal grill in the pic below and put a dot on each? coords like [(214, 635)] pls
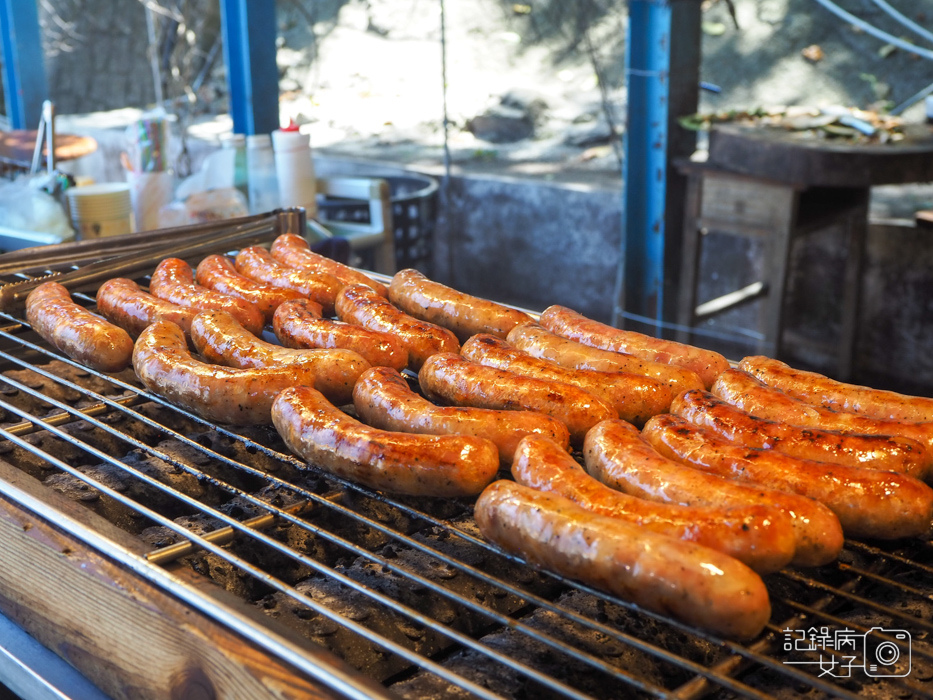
[(165, 556)]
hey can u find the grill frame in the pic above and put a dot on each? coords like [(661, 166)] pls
[(734, 663)]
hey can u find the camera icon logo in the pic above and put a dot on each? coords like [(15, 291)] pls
[(887, 653)]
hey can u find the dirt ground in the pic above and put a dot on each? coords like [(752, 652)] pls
[(367, 76)]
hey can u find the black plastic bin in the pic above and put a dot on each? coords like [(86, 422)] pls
[(414, 217)]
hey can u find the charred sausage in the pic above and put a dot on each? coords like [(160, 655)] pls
[(868, 503), (746, 392), (220, 339), (695, 584), (75, 331), (362, 306), (384, 400), (570, 324), (616, 454), (293, 250), (820, 390), (298, 324), (219, 394), (760, 536), (538, 341), (123, 302), (462, 313), (257, 263), (634, 397), (885, 452), (417, 465), (218, 273), (173, 280), (452, 379)]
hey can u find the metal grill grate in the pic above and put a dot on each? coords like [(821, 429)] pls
[(405, 590)]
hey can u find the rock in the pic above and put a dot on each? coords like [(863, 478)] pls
[(502, 124)]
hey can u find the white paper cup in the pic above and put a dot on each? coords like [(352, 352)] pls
[(149, 192), (103, 228), (102, 201)]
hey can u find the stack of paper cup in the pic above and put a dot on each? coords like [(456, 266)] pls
[(100, 210)]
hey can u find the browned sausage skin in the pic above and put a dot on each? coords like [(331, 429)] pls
[(538, 341), (885, 452), (452, 379), (634, 397), (220, 394), (75, 331), (868, 503), (173, 280), (820, 390), (616, 454), (222, 340), (384, 400), (298, 324), (462, 313), (293, 250), (746, 392), (695, 584), (418, 465), (218, 273), (122, 302), (257, 263), (360, 305), (760, 536), (570, 324)]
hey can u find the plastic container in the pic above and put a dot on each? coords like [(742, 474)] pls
[(295, 169), (237, 144), (414, 217), (262, 177)]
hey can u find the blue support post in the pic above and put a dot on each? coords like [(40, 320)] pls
[(252, 74), (25, 87), (640, 291)]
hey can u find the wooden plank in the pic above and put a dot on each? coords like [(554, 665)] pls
[(126, 635)]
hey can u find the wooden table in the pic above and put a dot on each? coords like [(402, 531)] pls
[(779, 185), (17, 147)]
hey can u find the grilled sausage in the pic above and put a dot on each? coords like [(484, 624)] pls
[(384, 400), (634, 397), (218, 273), (219, 394), (616, 454), (257, 263), (885, 452), (360, 305), (868, 503), (760, 536), (462, 313), (695, 584), (820, 390), (298, 324), (69, 327), (570, 324), (293, 250), (122, 302), (173, 280), (744, 391), (538, 341), (452, 379), (417, 465), (223, 341)]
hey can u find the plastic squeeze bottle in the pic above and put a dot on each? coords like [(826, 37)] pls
[(262, 178), (295, 169)]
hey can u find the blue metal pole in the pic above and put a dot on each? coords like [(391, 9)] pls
[(252, 74), (647, 59), (25, 87)]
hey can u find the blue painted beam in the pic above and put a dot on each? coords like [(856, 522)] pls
[(25, 87), (647, 58), (252, 74)]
